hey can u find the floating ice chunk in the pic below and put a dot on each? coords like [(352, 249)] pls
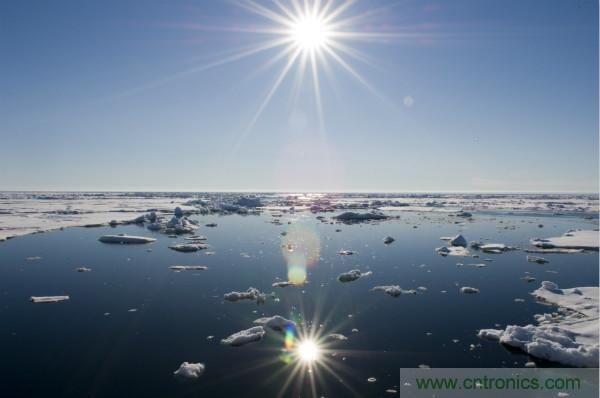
[(469, 290), (569, 337), (357, 217), (283, 284), (188, 247), (346, 252), (211, 225), (240, 338), (528, 278), (48, 299), (574, 239), (155, 227), (535, 259), (392, 290), (459, 240), (33, 258), (494, 248), (464, 214), (453, 251), (388, 240), (352, 275), (83, 269), (178, 212), (250, 294), (337, 336), (277, 323), (190, 370), (196, 238), (554, 251), (371, 380), (125, 239), (178, 268)]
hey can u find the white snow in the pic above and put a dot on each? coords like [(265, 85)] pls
[(352, 275), (189, 370), (242, 337), (569, 337), (574, 239), (126, 239), (48, 299)]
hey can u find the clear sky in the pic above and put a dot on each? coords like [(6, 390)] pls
[(460, 95)]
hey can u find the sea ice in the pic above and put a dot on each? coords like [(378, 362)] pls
[(569, 337), (125, 239), (458, 240), (388, 240), (277, 323), (453, 251), (574, 239), (352, 275), (535, 259), (190, 370), (48, 299), (393, 290), (250, 294), (178, 268), (469, 290), (240, 338)]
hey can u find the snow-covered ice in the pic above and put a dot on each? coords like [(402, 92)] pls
[(250, 294), (189, 370), (275, 322), (243, 337), (125, 239), (574, 239), (48, 299), (393, 290), (352, 275), (569, 337)]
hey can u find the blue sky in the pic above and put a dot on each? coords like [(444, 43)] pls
[(112, 95)]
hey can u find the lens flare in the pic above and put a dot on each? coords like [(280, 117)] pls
[(301, 248), (308, 351)]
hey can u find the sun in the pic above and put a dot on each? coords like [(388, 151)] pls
[(310, 33), (308, 351)]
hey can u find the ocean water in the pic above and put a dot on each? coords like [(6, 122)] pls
[(72, 349)]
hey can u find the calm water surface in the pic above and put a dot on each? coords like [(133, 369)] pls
[(72, 349)]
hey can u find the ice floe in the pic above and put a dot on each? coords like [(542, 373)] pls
[(458, 240), (388, 240), (178, 268), (469, 290), (189, 370), (358, 217), (574, 239), (125, 239), (277, 323), (48, 299), (243, 337), (188, 247), (569, 337), (250, 294), (453, 251), (336, 336), (393, 290), (352, 275), (536, 259)]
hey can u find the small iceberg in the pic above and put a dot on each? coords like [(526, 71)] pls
[(352, 275), (536, 259), (243, 337), (458, 240), (188, 247), (337, 336), (48, 299), (393, 290), (453, 251), (125, 239), (190, 370), (388, 240), (277, 323), (358, 217), (250, 294), (469, 290)]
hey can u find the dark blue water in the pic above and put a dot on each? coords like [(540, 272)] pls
[(72, 349)]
